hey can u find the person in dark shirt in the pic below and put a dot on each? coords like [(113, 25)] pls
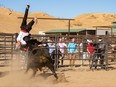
[(99, 52)]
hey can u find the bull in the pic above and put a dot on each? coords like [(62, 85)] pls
[(38, 57)]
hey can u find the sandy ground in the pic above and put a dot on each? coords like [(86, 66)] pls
[(69, 77)]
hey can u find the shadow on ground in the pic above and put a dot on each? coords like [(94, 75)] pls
[(2, 74)]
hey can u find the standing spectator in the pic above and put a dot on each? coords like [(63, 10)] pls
[(72, 49), (62, 47), (80, 48), (100, 52), (84, 50), (90, 50), (51, 46)]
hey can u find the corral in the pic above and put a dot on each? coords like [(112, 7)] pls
[(7, 45), (13, 74)]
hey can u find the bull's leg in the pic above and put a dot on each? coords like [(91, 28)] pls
[(51, 67), (40, 69), (34, 71), (27, 69)]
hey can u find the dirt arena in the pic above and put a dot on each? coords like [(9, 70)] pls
[(69, 77)]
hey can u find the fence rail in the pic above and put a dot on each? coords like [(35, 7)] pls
[(8, 41)]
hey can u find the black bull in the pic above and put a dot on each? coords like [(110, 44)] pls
[(39, 57)]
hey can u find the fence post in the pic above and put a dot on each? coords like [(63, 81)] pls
[(106, 56), (56, 53)]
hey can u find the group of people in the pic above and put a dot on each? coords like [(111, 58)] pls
[(93, 51), (70, 48), (89, 48)]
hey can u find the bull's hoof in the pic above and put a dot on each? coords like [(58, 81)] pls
[(95, 67), (32, 76), (90, 66), (25, 72)]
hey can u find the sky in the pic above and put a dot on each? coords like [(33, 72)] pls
[(62, 8)]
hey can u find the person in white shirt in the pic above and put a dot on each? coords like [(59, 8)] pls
[(62, 47), (51, 46)]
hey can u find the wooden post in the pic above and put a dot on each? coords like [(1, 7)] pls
[(53, 19), (111, 31), (68, 29), (47, 18)]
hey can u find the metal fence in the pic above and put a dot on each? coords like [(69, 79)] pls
[(8, 41), (109, 54)]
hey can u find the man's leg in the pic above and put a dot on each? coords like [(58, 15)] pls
[(62, 57), (102, 60), (73, 59), (83, 57), (24, 21), (96, 60), (30, 24)]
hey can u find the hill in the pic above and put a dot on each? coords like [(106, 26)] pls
[(98, 19), (9, 22)]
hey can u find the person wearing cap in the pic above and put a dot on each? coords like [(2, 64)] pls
[(25, 28), (99, 52)]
